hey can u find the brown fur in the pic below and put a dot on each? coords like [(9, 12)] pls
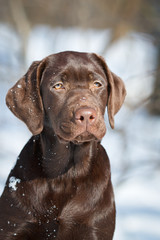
[(63, 184)]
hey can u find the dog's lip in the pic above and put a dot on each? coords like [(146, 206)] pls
[(84, 137), (70, 133), (65, 127), (81, 138)]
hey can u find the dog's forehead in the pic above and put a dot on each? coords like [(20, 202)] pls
[(69, 56), (72, 60)]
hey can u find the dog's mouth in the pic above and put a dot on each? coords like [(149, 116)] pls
[(84, 137), (72, 133), (81, 138)]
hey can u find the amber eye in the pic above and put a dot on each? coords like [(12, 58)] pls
[(97, 84), (58, 86)]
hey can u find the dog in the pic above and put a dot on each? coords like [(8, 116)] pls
[(60, 187)]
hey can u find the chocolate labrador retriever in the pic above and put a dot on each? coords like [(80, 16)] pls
[(60, 187)]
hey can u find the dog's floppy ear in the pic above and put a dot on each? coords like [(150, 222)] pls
[(24, 98), (116, 91)]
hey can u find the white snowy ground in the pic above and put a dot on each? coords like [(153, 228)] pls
[(134, 145)]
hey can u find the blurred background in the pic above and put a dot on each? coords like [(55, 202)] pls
[(127, 34)]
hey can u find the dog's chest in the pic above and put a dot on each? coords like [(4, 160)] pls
[(42, 202)]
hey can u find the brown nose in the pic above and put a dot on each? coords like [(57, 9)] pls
[(84, 116)]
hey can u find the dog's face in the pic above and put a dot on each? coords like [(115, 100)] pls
[(68, 92), (74, 93)]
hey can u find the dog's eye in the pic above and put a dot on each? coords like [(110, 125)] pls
[(58, 86), (97, 84)]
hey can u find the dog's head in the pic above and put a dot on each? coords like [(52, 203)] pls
[(68, 92)]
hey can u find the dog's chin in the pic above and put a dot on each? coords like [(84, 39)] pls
[(79, 139), (84, 137)]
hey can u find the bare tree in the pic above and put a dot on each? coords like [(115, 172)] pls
[(121, 16)]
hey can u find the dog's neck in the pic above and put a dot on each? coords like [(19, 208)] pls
[(58, 157)]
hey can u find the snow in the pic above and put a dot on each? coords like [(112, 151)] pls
[(134, 145), (13, 183)]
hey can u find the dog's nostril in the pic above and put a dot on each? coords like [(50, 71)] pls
[(91, 117), (81, 118)]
